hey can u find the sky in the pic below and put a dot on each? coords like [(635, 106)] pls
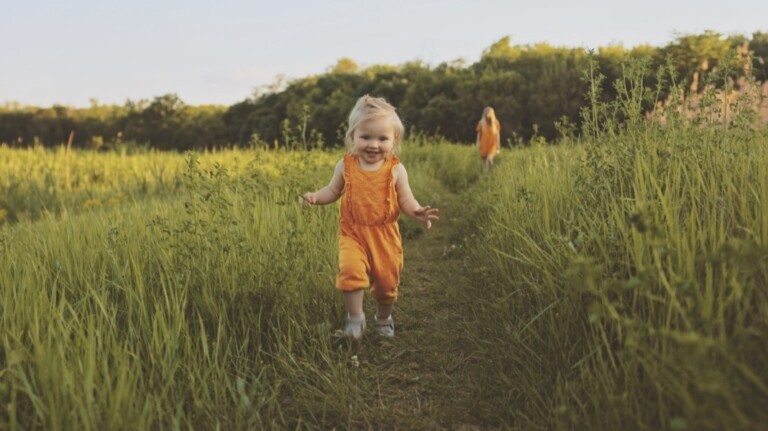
[(70, 52)]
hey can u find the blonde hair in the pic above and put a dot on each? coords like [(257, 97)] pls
[(369, 108), (489, 112)]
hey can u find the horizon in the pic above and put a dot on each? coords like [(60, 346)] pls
[(114, 53)]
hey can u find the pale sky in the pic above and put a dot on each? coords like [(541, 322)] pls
[(217, 52)]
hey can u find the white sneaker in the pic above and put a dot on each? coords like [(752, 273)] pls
[(385, 327), (355, 327)]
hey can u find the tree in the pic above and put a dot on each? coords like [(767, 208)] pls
[(344, 65)]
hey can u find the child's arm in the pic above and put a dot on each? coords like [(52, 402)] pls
[(331, 192), (408, 204)]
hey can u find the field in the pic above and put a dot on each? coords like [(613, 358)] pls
[(614, 281)]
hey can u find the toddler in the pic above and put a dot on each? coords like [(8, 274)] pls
[(373, 185)]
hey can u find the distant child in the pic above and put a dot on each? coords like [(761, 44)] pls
[(488, 137), (374, 189)]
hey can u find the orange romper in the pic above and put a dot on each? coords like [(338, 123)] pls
[(370, 248), (488, 136)]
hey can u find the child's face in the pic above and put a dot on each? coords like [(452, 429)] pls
[(374, 139)]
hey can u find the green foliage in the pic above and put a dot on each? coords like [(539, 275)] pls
[(621, 280), (206, 305), (209, 309), (615, 281), (166, 123), (345, 65), (501, 49), (531, 87), (759, 47)]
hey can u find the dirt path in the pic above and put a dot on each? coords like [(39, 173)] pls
[(422, 374)]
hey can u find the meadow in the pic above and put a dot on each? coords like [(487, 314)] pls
[(616, 280)]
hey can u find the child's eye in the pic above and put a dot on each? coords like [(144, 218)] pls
[(364, 136), (383, 138)]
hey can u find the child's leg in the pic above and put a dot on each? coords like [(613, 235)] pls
[(384, 291), (385, 325), (387, 263), (383, 311), (353, 274), (353, 302), (355, 327)]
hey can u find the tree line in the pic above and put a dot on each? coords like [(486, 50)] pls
[(533, 88)]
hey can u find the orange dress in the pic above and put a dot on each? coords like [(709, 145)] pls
[(370, 248), (489, 135)]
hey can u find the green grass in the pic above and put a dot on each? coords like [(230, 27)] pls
[(616, 281), (180, 313), (212, 306), (622, 281)]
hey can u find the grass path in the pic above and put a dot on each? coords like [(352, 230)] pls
[(423, 377)]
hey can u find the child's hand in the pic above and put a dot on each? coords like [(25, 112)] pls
[(308, 198), (426, 214)]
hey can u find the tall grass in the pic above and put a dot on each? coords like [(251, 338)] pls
[(618, 281), (453, 166), (209, 305), (210, 310), (624, 276), (42, 182)]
